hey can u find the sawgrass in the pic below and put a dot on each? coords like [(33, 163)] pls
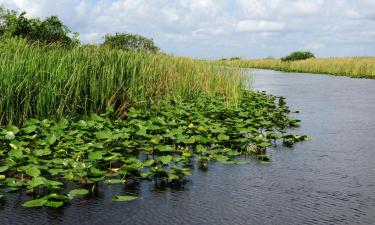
[(38, 81)]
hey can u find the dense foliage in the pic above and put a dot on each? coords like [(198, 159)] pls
[(161, 143), (49, 31), (298, 56), (130, 42)]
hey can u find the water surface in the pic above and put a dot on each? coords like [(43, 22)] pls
[(328, 180)]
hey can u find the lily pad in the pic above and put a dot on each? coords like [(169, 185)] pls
[(35, 203), (124, 198)]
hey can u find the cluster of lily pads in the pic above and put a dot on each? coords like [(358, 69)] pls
[(159, 143)]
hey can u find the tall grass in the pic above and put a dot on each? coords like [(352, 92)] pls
[(360, 67), (49, 82)]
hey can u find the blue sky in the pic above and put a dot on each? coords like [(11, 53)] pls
[(222, 28)]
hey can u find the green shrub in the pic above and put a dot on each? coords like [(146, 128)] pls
[(48, 31), (130, 42), (298, 56)]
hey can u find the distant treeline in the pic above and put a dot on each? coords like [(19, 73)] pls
[(52, 31)]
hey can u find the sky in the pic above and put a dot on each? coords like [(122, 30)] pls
[(222, 28)]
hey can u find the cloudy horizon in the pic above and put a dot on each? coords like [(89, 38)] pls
[(222, 28)]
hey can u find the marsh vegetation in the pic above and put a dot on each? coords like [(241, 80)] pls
[(357, 67), (80, 115)]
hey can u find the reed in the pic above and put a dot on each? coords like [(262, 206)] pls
[(358, 67), (38, 81)]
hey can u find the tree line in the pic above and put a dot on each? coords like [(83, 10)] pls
[(51, 30)]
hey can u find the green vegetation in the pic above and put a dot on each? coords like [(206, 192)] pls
[(40, 81), (160, 143), (83, 115), (294, 56), (50, 30), (130, 42), (357, 67)]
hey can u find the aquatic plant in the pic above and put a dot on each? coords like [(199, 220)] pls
[(160, 143)]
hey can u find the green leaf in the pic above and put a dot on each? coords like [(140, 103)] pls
[(165, 159), (97, 155), (264, 145), (82, 123), (2, 177), (187, 141), (35, 203), (106, 134), (172, 176), (78, 192), (124, 198), (164, 148), (200, 149), (30, 129), (53, 204), (146, 175), (55, 196), (10, 135), (12, 128), (52, 139), (223, 137), (33, 171), (3, 169), (42, 152), (54, 184), (37, 181), (222, 158), (15, 153), (148, 162), (55, 172)]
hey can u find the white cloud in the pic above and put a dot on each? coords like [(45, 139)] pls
[(305, 7), (259, 26)]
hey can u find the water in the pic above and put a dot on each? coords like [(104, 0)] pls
[(328, 180)]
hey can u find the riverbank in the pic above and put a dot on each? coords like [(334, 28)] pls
[(356, 67)]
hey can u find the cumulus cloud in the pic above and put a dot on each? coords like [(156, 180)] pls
[(221, 28)]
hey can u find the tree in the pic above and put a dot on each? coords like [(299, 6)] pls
[(50, 30), (298, 56), (130, 42)]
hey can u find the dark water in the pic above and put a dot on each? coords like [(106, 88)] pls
[(328, 180)]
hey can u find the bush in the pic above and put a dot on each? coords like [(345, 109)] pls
[(130, 42), (48, 31), (298, 56)]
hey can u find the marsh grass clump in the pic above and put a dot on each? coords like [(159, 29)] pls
[(49, 81), (159, 143)]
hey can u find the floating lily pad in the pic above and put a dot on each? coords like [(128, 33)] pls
[(124, 198)]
